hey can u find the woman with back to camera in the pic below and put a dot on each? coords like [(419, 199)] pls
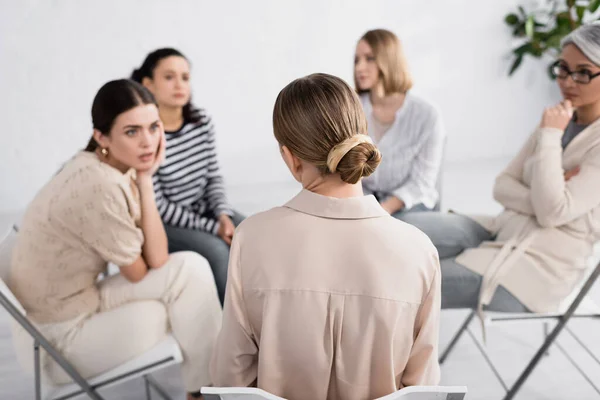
[(100, 208), (533, 254), (190, 192), (407, 129), (328, 297)]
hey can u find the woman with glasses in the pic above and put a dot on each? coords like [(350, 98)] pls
[(532, 255)]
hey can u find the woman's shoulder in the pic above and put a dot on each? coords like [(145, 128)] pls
[(263, 220), (422, 107), (85, 176), (197, 116)]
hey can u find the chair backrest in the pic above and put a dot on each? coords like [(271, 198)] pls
[(6, 247), (587, 306), (428, 393), (237, 393), (439, 183), (7, 241), (407, 393)]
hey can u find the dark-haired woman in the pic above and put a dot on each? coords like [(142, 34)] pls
[(100, 208), (189, 188)]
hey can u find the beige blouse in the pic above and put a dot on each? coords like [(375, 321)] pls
[(548, 227), (86, 216), (327, 299)]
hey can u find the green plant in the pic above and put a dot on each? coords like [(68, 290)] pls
[(542, 29)]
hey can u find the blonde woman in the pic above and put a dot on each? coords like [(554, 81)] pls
[(323, 301), (100, 208), (533, 254), (407, 130)]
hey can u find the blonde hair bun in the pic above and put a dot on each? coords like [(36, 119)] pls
[(320, 119)]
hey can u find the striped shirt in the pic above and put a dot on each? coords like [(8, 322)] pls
[(189, 188), (412, 149)]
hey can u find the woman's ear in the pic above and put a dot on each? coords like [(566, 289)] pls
[(147, 83), (101, 139), (293, 163)]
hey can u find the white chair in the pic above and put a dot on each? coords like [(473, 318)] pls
[(163, 355), (407, 393)]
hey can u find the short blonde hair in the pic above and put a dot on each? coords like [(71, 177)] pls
[(391, 61), (318, 118)]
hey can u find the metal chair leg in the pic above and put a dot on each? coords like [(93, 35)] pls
[(151, 382), (50, 350), (578, 340), (547, 353), (457, 336), (488, 360), (577, 367), (147, 385), (554, 333), (36, 364)]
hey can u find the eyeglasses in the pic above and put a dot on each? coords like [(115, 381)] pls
[(561, 71)]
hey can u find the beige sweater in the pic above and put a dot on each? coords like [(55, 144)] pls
[(548, 227), (329, 299), (85, 217)]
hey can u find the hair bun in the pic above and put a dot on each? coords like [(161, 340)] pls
[(341, 149), (360, 161)]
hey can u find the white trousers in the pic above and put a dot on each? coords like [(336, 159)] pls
[(180, 297)]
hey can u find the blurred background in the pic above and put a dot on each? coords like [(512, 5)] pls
[(55, 55)]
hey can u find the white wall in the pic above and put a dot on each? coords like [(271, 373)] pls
[(54, 55)]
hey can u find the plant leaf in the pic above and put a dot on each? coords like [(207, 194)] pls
[(536, 49), (522, 11), (524, 48), (554, 41), (515, 65), (580, 11), (512, 19), (594, 5), (563, 20), (529, 27), (570, 3), (519, 30)]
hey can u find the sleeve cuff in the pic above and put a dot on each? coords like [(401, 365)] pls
[(216, 226), (550, 137), (406, 197), (223, 209)]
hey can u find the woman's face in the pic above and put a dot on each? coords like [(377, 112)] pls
[(580, 94), (134, 138), (170, 84), (366, 70)]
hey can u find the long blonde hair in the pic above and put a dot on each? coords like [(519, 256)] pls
[(319, 118), (391, 61)]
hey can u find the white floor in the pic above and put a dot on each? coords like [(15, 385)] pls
[(467, 187)]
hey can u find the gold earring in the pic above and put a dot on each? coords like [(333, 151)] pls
[(104, 152)]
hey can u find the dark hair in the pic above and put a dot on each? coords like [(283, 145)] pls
[(146, 70), (113, 99)]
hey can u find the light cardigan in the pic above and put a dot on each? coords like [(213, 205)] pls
[(548, 227)]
